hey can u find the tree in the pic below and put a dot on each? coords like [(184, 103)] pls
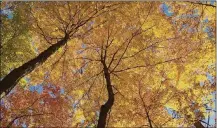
[(122, 53), (46, 109), (142, 64), (63, 32)]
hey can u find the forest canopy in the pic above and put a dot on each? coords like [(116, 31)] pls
[(108, 64)]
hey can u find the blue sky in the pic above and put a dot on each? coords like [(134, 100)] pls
[(37, 88), (166, 9), (7, 12)]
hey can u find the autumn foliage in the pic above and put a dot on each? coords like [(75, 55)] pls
[(108, 64)]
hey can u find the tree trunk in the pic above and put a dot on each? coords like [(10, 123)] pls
[(108, 105), (10, 81), (149, 120), (198, 125)]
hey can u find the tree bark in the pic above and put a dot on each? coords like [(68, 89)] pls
[(10, 81), (149, 120), (108, 105), (198, 125)]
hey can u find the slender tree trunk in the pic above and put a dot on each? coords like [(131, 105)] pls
[(108, 105), (149, 120), (9, 81), (146, 110)]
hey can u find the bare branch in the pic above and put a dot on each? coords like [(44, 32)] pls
[(138, 32), (150, 65), (200, 3), (141, 50), (25, 115), (145, 107)]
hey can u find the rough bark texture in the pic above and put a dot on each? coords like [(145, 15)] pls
[(108, 105), (9, 81)]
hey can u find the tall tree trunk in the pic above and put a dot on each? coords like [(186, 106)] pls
[(108, 105), (9, 81)]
